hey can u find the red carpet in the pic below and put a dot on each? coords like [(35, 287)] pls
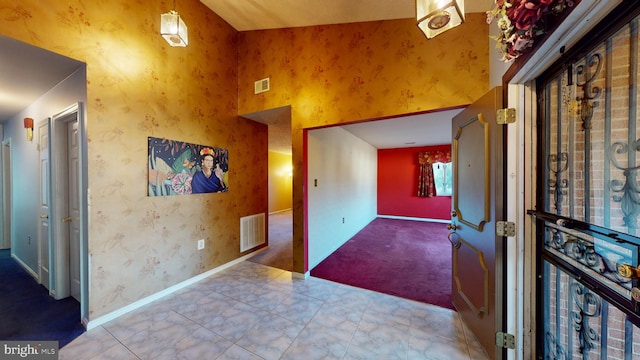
[(408, 259)]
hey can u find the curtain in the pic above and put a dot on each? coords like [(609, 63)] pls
[(426, 186)]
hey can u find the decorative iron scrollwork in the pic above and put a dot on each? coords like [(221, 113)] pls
[(589, 306), (555, 351), (557, 164), (586, 74), (626, 192), (584, 252)]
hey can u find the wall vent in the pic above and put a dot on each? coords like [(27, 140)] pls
[(252, 232), (261, 86)]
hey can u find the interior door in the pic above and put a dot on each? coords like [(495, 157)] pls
[(477, 288), (65, 204), (44, 199), (73, 219)]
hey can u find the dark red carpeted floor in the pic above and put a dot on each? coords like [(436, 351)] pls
[(409, 259)]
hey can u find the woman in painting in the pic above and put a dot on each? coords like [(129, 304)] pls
[(210, 178)]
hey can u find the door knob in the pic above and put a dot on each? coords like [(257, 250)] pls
[(451, 227), (66, 219), (628, 271), (45, 216)]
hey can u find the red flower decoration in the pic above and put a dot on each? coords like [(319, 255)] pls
[(520, 22), (207, 151)]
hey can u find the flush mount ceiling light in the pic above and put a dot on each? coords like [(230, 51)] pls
[(173, 29), (437, 16)]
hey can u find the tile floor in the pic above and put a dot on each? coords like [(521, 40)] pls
[(251, 311)]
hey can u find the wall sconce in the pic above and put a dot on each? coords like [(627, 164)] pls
[(173, 29), (437, 16), (28, 124)]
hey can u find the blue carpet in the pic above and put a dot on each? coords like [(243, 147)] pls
[(27, 312)]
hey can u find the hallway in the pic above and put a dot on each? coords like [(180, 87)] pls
[(280, 252), (28, 312)]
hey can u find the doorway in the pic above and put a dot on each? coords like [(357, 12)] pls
[(280, 221), (56, 80), (64, 176), (523, 83), (31, 311), (586, 208)]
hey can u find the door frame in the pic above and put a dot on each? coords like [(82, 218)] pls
[(519, 84), (7, 198), (45, 256), (60, 263)]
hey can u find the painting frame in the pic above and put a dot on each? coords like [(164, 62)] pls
[(182, 168)]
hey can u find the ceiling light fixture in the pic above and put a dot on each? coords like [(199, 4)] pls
[(173, 29), (437, 16)]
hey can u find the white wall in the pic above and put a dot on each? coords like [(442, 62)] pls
[(345, 168), (25, 158)]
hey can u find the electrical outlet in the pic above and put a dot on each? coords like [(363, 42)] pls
[(343, 220), (200, 244)]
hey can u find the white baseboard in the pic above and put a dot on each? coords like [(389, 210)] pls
[(90, 324), (280, 211), (297, 275), (26, 268), (415, 219)]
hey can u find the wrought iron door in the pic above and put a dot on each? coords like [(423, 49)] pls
[(588, 201)]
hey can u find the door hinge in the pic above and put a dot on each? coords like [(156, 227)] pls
[(505, 228), (505, 116), (505, 341)]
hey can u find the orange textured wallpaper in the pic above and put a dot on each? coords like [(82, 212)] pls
[(139, 86), (343, 73)]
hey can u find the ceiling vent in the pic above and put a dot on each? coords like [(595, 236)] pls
[(261, 86)]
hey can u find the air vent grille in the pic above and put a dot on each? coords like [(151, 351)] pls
[(252, 231), (261, 86)]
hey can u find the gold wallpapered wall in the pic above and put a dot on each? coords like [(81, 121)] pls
[(138, 86), (343, 73)]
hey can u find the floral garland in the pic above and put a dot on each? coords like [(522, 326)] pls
[(207, 151), (520, 22)]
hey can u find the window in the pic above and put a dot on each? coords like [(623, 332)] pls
[(442, 177), (426, 178)]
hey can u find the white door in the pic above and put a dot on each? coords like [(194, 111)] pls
[(43, 224), (74, 208), (65, 204)]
